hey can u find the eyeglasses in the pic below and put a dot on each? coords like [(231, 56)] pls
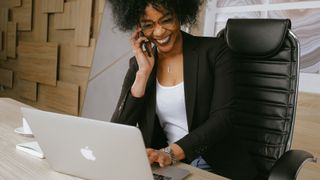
[(166, 22)]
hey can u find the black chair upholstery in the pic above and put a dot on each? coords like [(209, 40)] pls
[(266, 59)]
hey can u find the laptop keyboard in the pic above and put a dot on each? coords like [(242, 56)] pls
[(161, 177)]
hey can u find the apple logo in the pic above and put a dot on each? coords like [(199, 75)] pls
[(87, 153)]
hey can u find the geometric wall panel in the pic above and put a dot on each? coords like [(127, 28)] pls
[(83, 55), (39, 39), (52, 6), (99, 14), (1, 42), (63, 97), (10, 3), (40, 23), (67, 19), (27, 89), (38, 61), (6, 78), (82, 32), (101, 6), (39, 32), (4, 14), (23, 15), (11, 39)]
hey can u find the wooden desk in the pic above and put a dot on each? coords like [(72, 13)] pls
[(15, 164)]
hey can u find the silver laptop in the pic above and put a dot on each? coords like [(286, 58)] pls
[(93, 149)]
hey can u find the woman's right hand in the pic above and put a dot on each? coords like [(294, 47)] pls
[(145, 63)]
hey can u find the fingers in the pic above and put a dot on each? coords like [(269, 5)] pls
[(163, 159), (137, 42), (140, 44), (144, 59), (149, 150), (152, 155), (159, 157), (135, 33), (136, 39)]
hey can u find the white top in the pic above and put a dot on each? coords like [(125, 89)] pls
[(171, 110)]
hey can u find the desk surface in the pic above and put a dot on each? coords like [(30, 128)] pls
[(15, 164)]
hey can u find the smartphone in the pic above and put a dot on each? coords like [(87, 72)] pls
[(144, 44)]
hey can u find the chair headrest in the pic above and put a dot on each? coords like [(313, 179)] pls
[(256, 37)]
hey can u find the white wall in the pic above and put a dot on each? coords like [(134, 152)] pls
[(109, 66), (309, 82)]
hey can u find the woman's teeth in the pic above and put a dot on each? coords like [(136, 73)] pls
[(163, 41)]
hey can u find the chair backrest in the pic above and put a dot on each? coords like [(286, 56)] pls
[(266, 58)]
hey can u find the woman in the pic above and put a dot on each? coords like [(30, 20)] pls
[(178, 88)]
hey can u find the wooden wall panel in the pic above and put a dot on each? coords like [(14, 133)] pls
[(97, 16), (40, 25), (101, 6), (23, 15), (38, 61), (6, 77), (10, 3), (1, 42), (4, 14), (83, 55), (73, 74), (34, 26), (52, 6), (27, 89), (82, 33), (64, 97), (11, 39), (67, 19)]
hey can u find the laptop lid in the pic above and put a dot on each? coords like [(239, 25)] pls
[(89, 148)]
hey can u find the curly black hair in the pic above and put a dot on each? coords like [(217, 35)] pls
[(127, 13)]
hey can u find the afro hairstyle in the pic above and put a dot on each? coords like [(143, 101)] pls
[(127, 13)]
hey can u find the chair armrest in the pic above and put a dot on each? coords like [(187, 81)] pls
[(289, 164)]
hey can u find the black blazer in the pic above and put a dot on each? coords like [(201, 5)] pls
[(208, 85)]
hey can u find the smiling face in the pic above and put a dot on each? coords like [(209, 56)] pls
[(162, 28)]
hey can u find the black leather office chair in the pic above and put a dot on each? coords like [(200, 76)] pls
[(266, 59)]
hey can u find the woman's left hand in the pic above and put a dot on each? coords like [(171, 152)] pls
[(157, 156)]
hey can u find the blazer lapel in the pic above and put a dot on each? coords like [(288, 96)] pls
[(190, 74), (151, 103)]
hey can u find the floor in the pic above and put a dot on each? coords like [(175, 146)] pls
[(307, 133)]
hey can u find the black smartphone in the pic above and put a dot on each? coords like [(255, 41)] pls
[(144, 44)]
